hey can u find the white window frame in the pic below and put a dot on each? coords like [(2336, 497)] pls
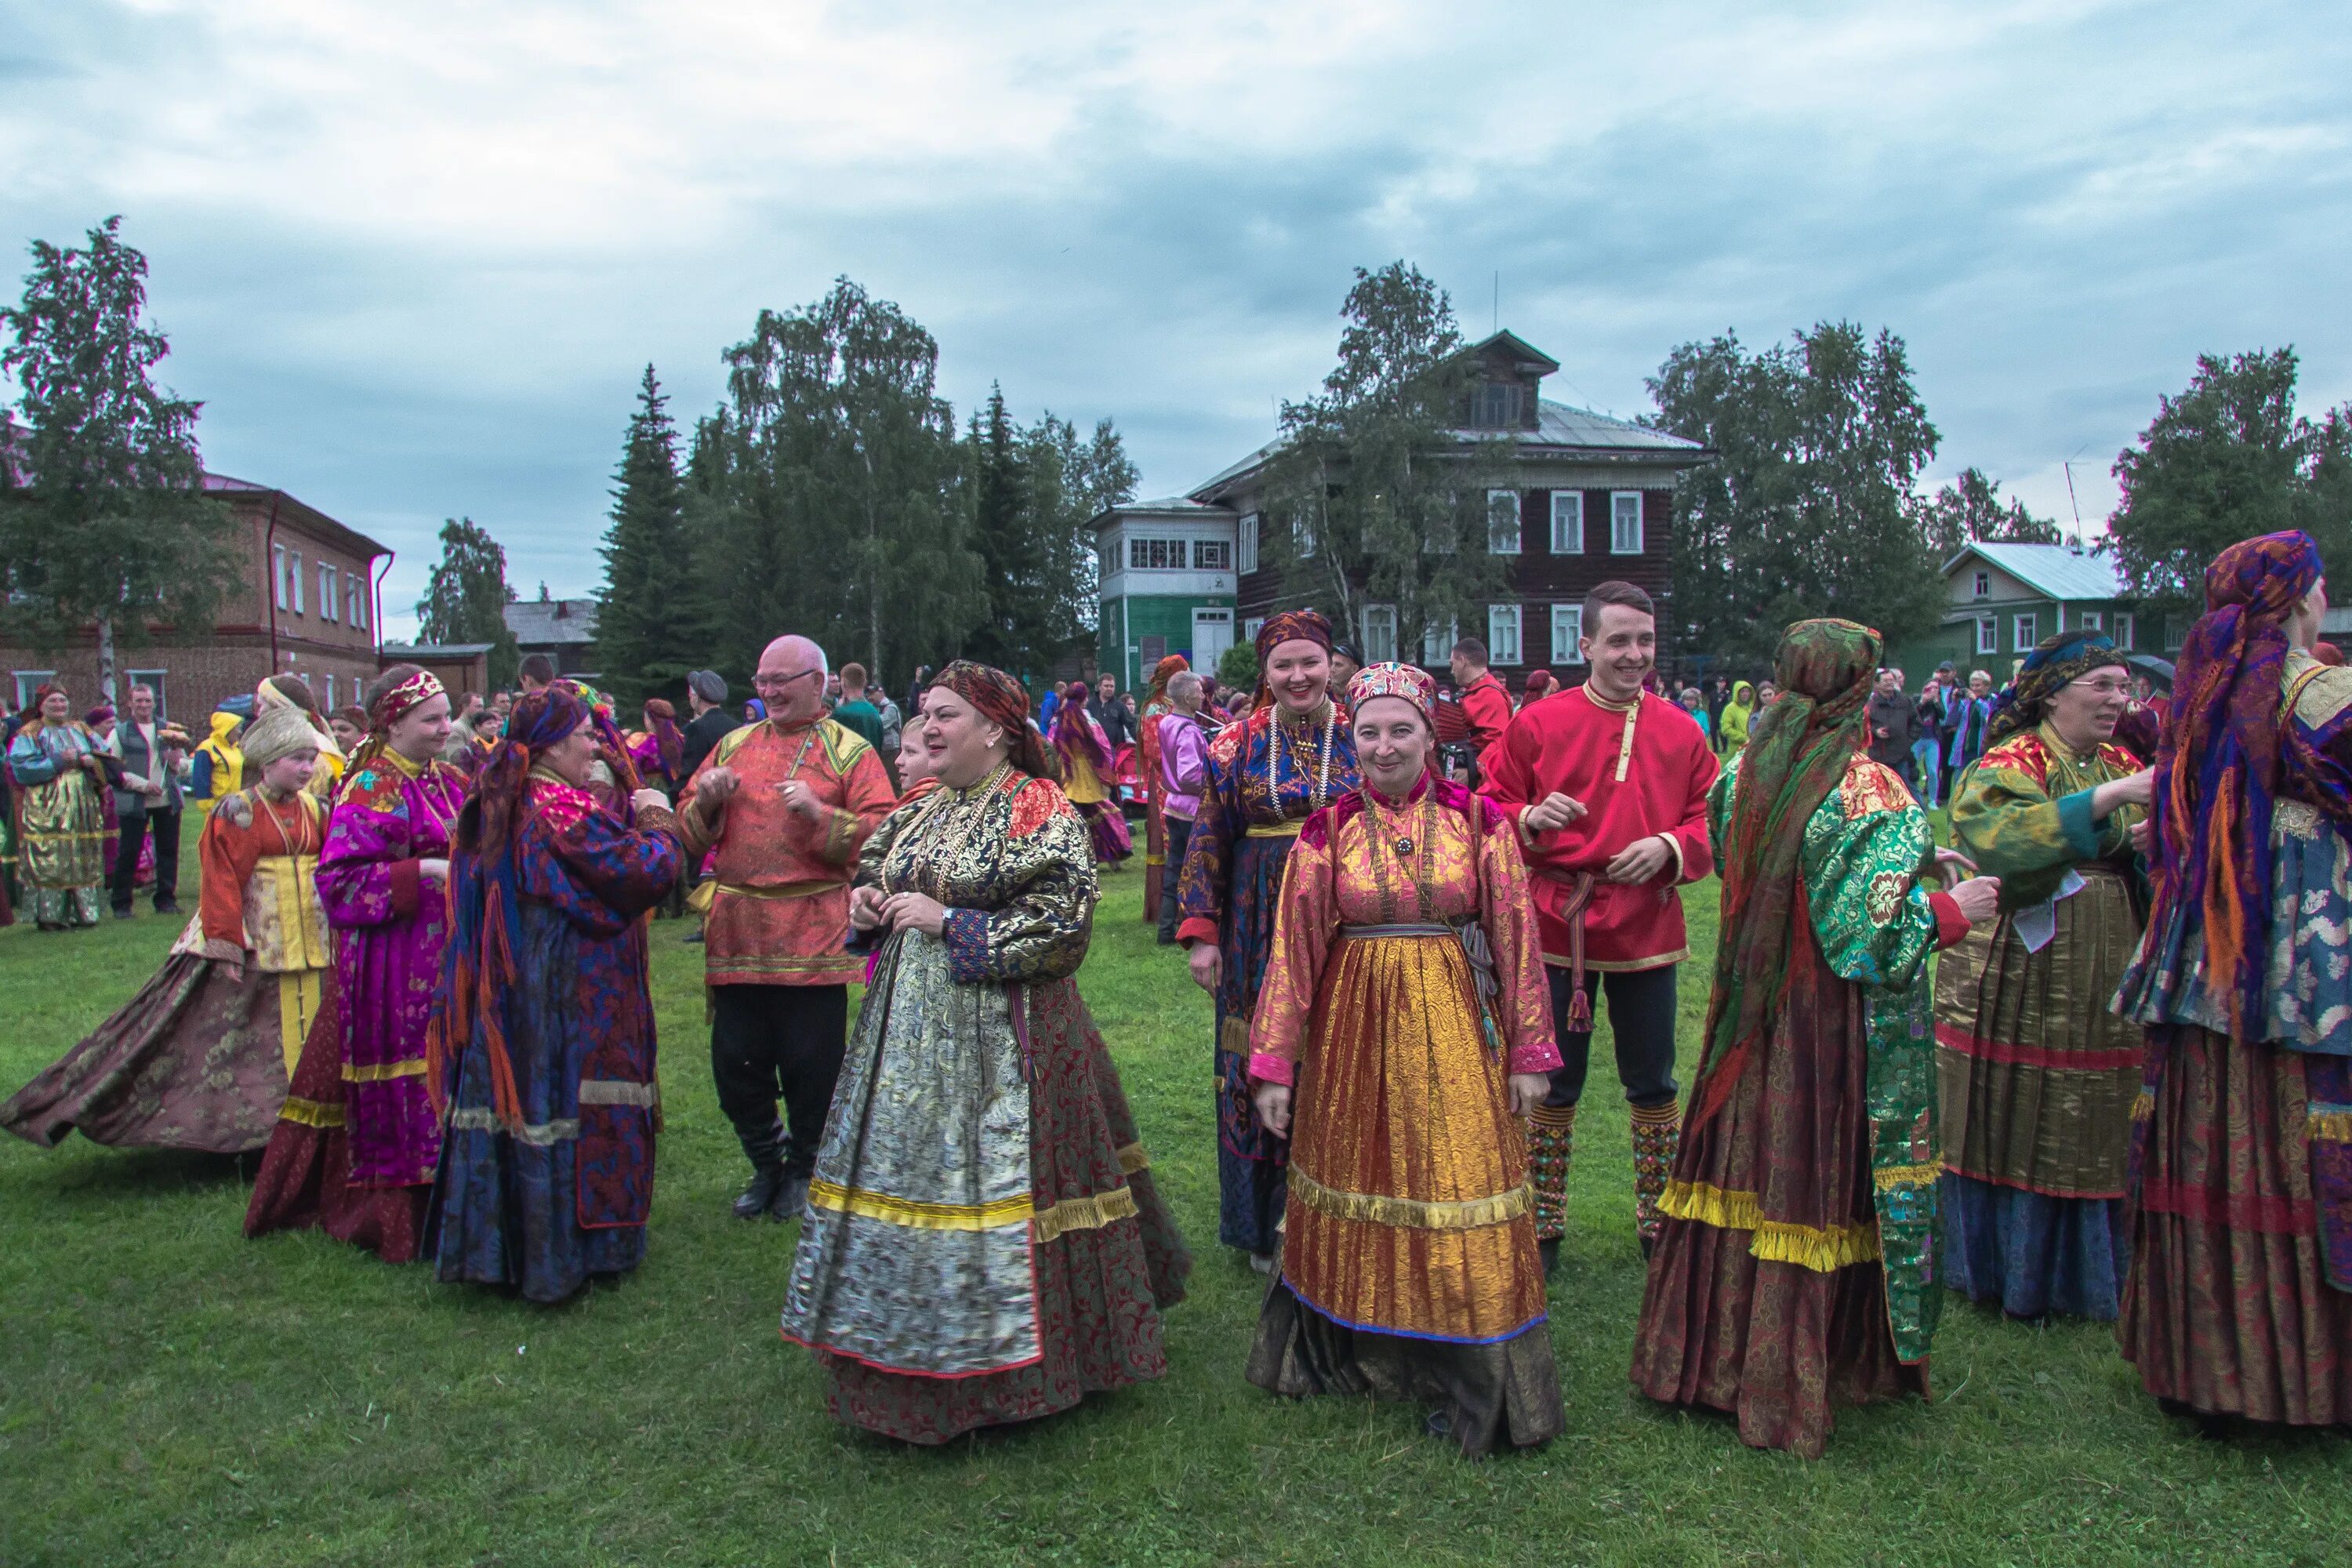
[(1437, 645), (1567, 630), (330, 694), (294, 576), (1567, 522), (2124, 630), (1176, 553), (1496, 501), (1245, 544), (1987, 634), (326, 591), (1617, 519), (1206, 550), (1250, 628), (278, 574), (1381, 645), (161, 680), (356, 595), (29, 681), (2090, 621), (1502, 619), (2024, 631), (1984, 584), (1302, 531)]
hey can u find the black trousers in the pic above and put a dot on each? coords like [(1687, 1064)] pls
[(133, 831), (772, 1041), (1642, 1020), (1171, 871)]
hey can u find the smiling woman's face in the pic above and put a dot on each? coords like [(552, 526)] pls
[(1391, 744), (1299, 671)]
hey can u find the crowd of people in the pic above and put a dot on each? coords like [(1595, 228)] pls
[(417, 984)]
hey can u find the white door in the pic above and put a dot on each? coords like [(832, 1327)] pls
[(1212, 633)]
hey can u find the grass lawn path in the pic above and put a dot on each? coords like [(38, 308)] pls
[(171, 1393)]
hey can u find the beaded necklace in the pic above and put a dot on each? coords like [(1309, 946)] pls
[(1278, 745)]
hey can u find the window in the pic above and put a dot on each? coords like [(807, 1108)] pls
[(155, 679), (1251, 627), (1156, 554), (2123, 633), (294, 577), (326, 591), (278, 574), (1212, 555), (1624, 522), (330, 694), (2176, 634), (1984, 584), (1437, 643), (1302, 531), (1987, 634), (2092, 621), (1566, 626), (1249, 551), (29, 681), (1380, 632), (1502, 523), (1498, 405), (2026, 635), (1567, 522), (355, 596), (1503, 634)]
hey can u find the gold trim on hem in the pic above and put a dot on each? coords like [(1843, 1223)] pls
[(1090, 1213), (2329, 1127), (1888, 1177), (1276, 830), (380, 1072), (1774, 1241), (1468, 1213), (917, 1215), (1232, 1035), (807, 890), (310, 1112)]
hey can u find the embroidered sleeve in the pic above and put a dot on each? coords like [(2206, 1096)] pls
[(366, 874), (1208, 855), (1041, 931), (226, 853), (598, 873), (869, 799), (1861, 861), (1523, 995), (2006, 820), (1304, 920)]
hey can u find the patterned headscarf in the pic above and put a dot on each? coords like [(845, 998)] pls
[(1406, 681), (1166, 670), (1077, 731), (2217, 766), (2056, 660), (385, 711), (1003, 701), (478, 967), (1797, 753), (1293, 626), (669, 741), (280, 732)]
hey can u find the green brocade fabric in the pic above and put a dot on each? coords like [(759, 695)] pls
[(2022, 813), (1862, 854)]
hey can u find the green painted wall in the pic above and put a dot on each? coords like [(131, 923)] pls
[(1126, 621)]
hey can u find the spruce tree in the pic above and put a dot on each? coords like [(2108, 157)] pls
[(651, 629)]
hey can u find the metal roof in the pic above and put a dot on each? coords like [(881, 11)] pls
[(551, 622), (424, 651), (2054, 571)]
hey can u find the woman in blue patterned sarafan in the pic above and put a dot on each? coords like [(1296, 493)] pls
[(1290, 758), (541, 1052)]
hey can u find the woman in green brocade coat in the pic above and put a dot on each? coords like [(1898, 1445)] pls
[(2036, 1075), (1792, 1274)]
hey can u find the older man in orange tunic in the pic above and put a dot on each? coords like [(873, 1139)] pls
[(786, 803)]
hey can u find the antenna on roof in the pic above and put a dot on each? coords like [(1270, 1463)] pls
[(1496, 319), (2069, 467)]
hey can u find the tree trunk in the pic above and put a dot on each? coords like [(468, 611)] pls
[(106, 660)]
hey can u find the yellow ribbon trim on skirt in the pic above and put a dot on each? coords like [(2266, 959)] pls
[(917, 1215), (310, 1112), (379, 1072), (1272, 830), (1468, 1213), (1807, 1247)]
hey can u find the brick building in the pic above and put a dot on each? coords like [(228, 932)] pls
[(307, 604), (1583, 498)]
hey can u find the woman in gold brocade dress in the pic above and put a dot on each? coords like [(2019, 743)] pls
[(1405, 1010)]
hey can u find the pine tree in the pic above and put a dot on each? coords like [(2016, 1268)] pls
[(104, 521), (652, 628), (466, 597)]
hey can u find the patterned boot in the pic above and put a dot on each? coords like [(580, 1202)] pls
[(1551, 1148), (1658, 1136)]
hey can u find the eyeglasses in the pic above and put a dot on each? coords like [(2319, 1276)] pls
[(2101, 688), (778, 682)]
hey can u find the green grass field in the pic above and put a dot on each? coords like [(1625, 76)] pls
[(173, 1392)]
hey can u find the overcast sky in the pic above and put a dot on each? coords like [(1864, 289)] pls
[(415, 256)]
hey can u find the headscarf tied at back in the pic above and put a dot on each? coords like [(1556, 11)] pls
[(1406, 682), (478, 967), (1290, 626), (2217, 766), (1797, 753), (2056, 659), (1001, 699), (385, 711), (669, 741), (1077, 732)]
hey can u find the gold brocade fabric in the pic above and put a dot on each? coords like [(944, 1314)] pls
[(299, 994), (1401, 1113), (285, 924)]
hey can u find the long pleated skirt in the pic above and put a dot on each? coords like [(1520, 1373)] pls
[(2240, 1298), (1409, 1266)]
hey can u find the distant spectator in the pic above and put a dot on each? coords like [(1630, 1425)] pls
[(706, 697), (853, 711), (537, 674)]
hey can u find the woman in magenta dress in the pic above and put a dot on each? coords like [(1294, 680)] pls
[(355, 1147)]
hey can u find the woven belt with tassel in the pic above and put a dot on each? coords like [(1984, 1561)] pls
[(1580, 886)]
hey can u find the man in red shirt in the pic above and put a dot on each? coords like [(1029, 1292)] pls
[(1485, 700), (1608, 785)]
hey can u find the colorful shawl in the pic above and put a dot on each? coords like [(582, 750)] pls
[(2056, 659), (2217, 766), (1077, 734), (1002, 700), (1798, 751)]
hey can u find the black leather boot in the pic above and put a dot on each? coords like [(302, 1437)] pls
[(760, 1195)]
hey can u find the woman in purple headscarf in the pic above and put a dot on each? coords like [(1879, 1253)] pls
[(541, 1052), (1084, 754), (2241, 1191)]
